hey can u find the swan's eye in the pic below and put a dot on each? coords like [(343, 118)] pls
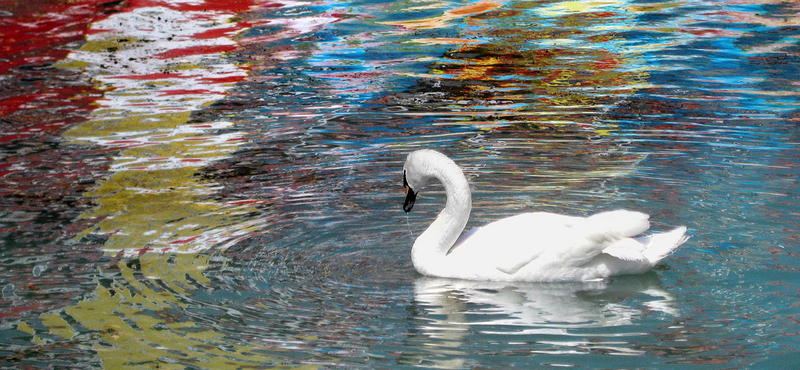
[(405, 182)]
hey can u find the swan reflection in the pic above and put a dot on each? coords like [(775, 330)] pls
[(565, 305), (451, 311)]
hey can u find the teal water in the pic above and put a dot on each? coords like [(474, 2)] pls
[(686, 110)]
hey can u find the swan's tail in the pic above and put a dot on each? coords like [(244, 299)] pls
[(659, 246)]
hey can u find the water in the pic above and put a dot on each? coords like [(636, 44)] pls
[(202, 185)]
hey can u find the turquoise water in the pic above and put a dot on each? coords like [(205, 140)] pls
[(293, 249)]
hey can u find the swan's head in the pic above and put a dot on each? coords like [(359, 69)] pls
[(417, 171), (411, 195)]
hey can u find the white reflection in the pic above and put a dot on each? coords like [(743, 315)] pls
[(452, 310), (596, 303)]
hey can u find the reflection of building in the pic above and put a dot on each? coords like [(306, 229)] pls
[(157, 65), (551, 64), (536, 82)]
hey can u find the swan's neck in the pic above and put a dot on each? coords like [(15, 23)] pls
[(433, 245)]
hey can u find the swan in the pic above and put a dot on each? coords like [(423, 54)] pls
[(534, 247)]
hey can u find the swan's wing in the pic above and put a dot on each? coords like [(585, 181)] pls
[(511, 243), (627, 249), (464, 237), (608, 227), (576, 240), (651, 249), (658, 246)]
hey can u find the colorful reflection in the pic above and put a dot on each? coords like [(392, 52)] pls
[(219, 178), (152, 64), (157, 64), (41, 182)]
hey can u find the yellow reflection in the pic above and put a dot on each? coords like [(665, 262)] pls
[(578, 6), (57, 325), (141, 331), (443, 41), (655, 7), (163, 210), (153, 200), (155, 214), (447, 15)]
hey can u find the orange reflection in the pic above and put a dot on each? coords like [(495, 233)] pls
[(448, 15), (549, 63)]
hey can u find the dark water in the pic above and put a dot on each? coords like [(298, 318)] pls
[(204, 185)]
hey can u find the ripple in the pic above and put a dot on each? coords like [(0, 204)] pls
[(250, 201)]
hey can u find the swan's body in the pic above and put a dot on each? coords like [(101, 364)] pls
[(535, 246)]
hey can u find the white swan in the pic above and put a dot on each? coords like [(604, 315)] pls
[(536, 246)]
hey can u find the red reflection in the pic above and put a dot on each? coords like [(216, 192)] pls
[(38, 32), (41, 180)]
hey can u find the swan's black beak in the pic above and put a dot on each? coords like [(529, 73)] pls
[(411, 196)]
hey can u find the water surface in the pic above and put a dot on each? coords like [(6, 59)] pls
[(197, 185)]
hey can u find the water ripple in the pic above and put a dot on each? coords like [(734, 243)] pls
[(250, 202)]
